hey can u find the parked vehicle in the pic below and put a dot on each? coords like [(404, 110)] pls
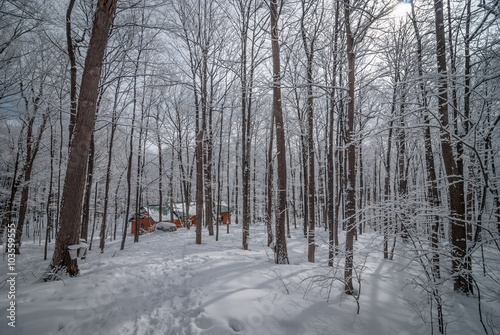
[(166, 226)]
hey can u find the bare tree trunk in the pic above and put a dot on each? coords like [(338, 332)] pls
[(199, 183), (138, 179), (361, 220), (269, 188), (129, 181), (48, 209), (432, 189), (207, 167), (305, 173), (95, 216), (281, 248), (245, 157), (219, 181), (200, 127), (350, 204), (455, 179), (75, 172), (116, 205), (58, 200), (236, 186), (245, 140), (72, 62), (292, 202), (387, 180), (340, 170), (131, 147), (308, 44), (88, 192), (254, 183), (227, 168), (114, 120), (160, 165), (467, 126)]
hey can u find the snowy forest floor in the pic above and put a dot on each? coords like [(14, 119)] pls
[(166, 284)]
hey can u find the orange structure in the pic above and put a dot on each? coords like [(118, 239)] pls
[(146, 223), (150, 216)]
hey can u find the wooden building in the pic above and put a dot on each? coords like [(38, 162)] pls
[(150, 216)]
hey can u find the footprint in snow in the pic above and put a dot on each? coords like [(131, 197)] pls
[(203, 322)]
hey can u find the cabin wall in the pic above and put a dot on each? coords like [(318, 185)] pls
[(146, 223)]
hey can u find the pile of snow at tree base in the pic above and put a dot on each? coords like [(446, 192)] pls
[(166, 284)]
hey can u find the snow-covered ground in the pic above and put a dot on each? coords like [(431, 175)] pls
[(166, 284)]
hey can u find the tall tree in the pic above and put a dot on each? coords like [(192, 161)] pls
[(245, 9), (114, 124), (432, 188), (454, 177), (75, 173), (332, 221), (309, 38), (350, 204), (269, 185), (281, 248), (72, 62)]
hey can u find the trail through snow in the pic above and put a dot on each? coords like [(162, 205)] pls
[(166, 284)]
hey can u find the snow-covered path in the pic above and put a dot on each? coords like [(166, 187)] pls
[(166, 284)]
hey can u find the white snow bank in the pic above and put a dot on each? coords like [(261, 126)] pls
[(167, 284)]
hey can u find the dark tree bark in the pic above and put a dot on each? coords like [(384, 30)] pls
[(116, 204), (88, 192), (339, 191), (308, 44), (72, 62), (432, 188), (207, 163), (227, 170), (245, 144), (138, 176), (281, 249), (466, 127), (361, 192), (219, 181), (199, 179), (48, 209), (131, 147), (245, 9), (387, 180), (237, 183), (350, 204), (114, 120), (95, 216), (269, 186), (160, 164), (75, 173), (455, 179), (292, 202)]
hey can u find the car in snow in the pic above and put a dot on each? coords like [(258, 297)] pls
[(166, 226)]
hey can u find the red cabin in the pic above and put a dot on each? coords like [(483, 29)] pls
[(150, 216)]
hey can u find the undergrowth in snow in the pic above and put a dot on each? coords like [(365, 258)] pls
[(166, 284)]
